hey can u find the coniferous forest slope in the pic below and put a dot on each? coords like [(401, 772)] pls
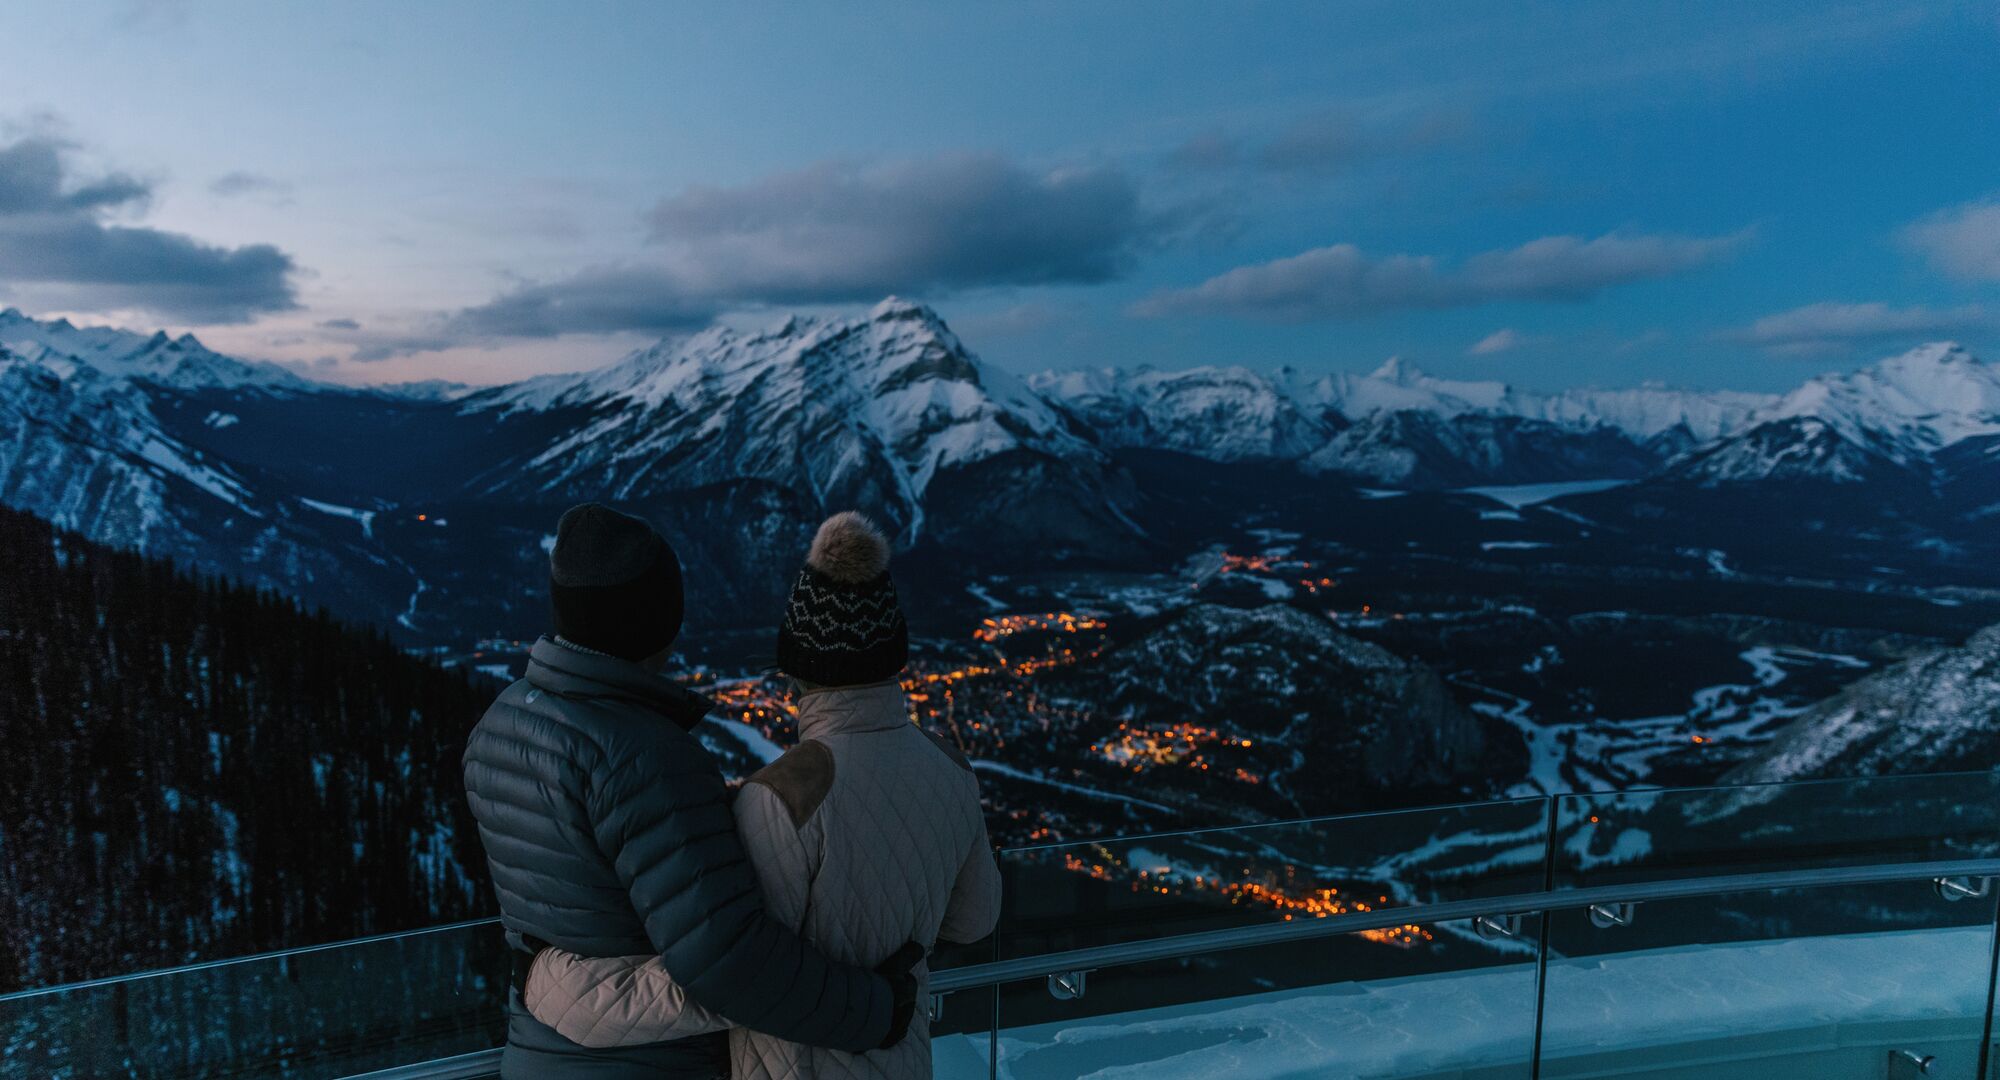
[(198, 769)]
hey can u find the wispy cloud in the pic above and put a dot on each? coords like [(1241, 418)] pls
[(1819, 328), (1342, 281), (1963, 241), (240, 184), (1505, 339), (59, 249)]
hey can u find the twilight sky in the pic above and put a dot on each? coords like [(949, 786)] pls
[(1717, 194)]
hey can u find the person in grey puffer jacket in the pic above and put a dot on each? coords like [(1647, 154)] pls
[(866, 833), (608, 830)]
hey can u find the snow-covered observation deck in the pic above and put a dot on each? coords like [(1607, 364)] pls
[(1840, 929)]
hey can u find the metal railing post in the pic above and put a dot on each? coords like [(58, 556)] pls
[(1992, 976), (1542, 943)]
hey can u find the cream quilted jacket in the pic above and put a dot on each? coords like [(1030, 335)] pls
[(865, 835)]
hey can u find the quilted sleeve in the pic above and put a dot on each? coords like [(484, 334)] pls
[(661, 814), (778, 852), (611, 1001), (974, 908)]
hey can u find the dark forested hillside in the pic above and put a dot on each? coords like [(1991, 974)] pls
[(198, 769)]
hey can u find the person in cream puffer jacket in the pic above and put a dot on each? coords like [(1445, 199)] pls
[(864, 836)]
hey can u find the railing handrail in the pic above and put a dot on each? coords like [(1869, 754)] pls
[(1554, 799), (478, 1064), (1240, 937), (1328, 926), (952, 980), (231, 961)]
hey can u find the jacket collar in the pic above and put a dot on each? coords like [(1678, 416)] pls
[(851, 710), (571, 672)]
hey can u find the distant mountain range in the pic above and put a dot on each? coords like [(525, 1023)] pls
[(1400, 426), (428, 507)]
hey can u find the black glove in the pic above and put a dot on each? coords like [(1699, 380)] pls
[(524, 961), (903, 986)]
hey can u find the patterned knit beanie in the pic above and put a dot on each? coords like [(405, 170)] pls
[(842, 625)]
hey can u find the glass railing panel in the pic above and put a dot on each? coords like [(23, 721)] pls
[(961, 1032), (1352, 1004), (1078, 895), (1445, 1002), (330, 1012), (1798, 982), (1615, 837), (961, 1024), (1763, 977)]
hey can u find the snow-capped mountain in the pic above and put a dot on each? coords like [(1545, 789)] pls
[(884, 411), (1922, 400), (1413, 448), (1396, 425), (1892, 418), (1221, 413), (1399, 385), (1794, 448), (738, 441), (178, 362), (99, 442), (84, 450), (88, 451)]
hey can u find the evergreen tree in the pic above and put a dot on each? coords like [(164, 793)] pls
[(196, 769)]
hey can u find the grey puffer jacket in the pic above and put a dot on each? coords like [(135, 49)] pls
[(865, 835), (608, 830)]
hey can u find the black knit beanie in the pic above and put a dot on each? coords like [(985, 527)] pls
[(614, 583), (843, 626)]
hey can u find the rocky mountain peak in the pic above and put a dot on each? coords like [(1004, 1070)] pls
[(1931, 713)]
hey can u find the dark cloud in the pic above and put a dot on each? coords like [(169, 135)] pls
[(1344, 281), (235, 184), (602, 299), (834, 232), (56, 246), (837, 233), (340, 324), (32, 181)]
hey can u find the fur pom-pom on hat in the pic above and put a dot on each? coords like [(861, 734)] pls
[(843, 625), (849, 549)]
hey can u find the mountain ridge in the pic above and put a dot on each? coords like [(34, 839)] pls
[(1904, 407), (738, 441), (1924, 399)]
